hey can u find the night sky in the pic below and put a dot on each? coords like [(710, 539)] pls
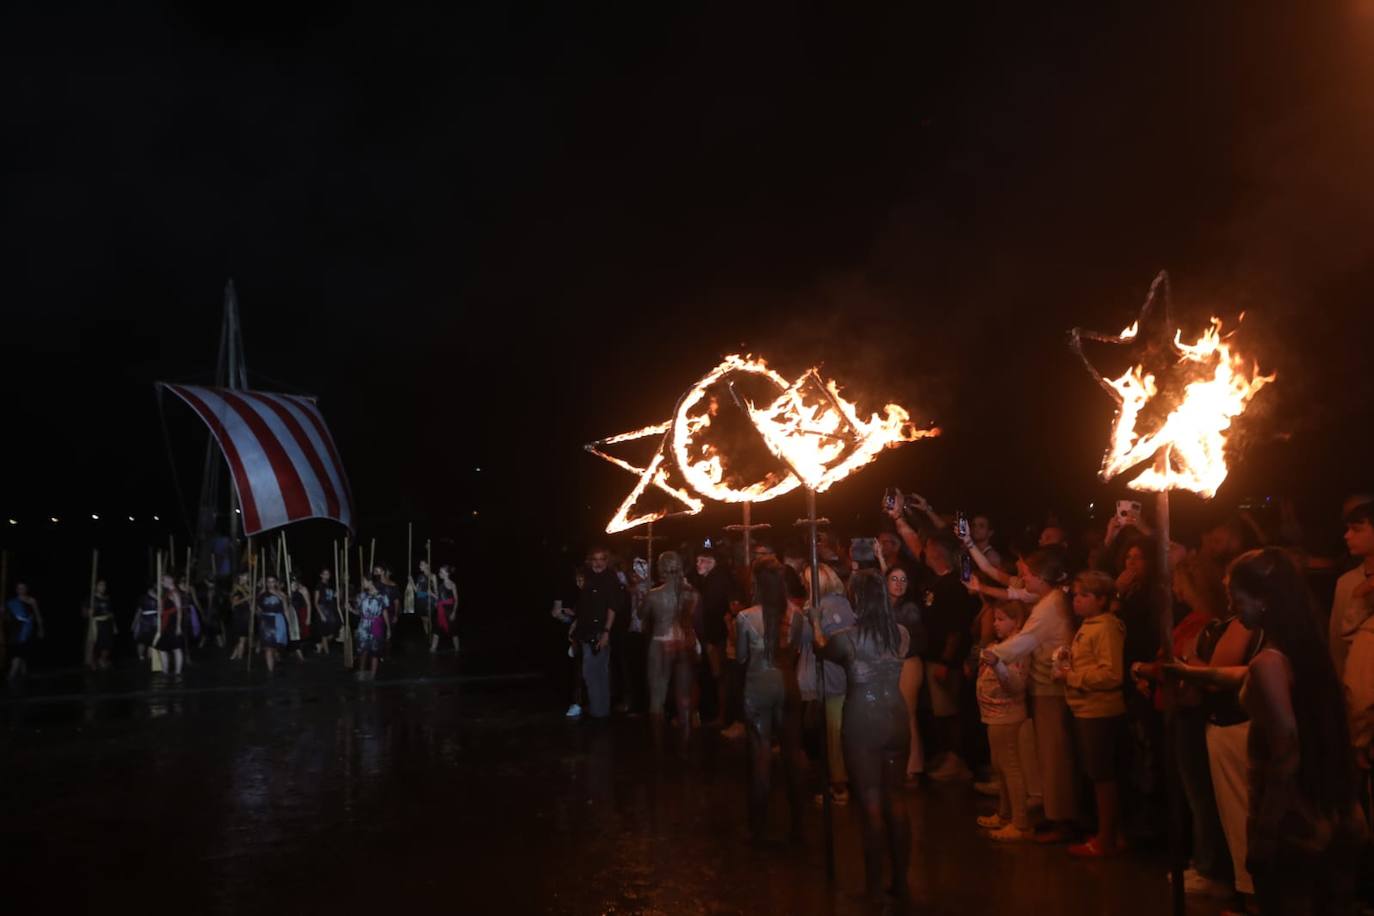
[(487, 236)]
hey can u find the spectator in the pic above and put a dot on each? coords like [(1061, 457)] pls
[(947, 613), (713, 587), (908, 614), (1352, 631), (602, 598), (1001, 689), (1304, 824), (1092, 679), (837, 615)]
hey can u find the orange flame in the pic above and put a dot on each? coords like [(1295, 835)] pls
[(1219, 387), (819, 436)]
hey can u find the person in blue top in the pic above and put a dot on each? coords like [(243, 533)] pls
[(26, 625)]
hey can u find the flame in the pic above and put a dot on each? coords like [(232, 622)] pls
[(1192, 437), (819, 437)]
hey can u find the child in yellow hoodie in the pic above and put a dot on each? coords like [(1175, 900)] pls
[(1092, 677)]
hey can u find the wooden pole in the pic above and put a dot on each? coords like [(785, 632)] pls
[(343, 611), (4, 596), (252, 600), (371, 558), (155, 656), (91, 625), (827, 814), (1172, 787), (433, 586)]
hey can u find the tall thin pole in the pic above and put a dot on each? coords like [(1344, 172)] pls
[(1165, 602), (252, 600), (827, 813), (91, 625)]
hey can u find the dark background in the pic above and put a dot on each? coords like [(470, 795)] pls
[(486, 236)]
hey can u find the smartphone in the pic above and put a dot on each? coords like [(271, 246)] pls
[(1128, 511)]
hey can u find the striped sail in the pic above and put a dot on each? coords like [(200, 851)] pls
[(281, 457)]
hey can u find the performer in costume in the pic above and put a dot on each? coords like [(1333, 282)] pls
[(326, 625), (144, 625), (672, 651), (26, 627), (274, 633), (419, 604), (374, 629), (171, 643), (100, 633), (240, 615), (193, 623), (445, 609), (300, 605)]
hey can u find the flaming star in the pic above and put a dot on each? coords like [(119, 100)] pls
[(814, 436), (1178, 412)]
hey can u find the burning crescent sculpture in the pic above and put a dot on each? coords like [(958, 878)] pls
[(706, 451), (1176, 405)]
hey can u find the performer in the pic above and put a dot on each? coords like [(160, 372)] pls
[(876, 735), (194, 622), (374, 629), (240, 615), (422, 586), (101, 633), (144, 624), (326, 604), (301, 607), (273, 631), (673, 649), (445, 609), (26, 622), (171, 644)]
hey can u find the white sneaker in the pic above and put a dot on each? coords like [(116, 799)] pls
[(1196, 884), (574, 711)]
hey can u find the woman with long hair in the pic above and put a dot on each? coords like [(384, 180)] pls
[(1305, 825), (446, 610), (766, 648), (326, 608), (836, 615), (374, 628), (273, 631), (171, 641), (875, 728), (908, 613), (240, 615), (667, 610)]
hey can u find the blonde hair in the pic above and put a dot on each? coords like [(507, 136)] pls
[(1097, 584), (830, 580)]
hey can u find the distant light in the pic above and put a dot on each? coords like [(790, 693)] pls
[(478, 470), (94, 517), (14, 521), (53, 519), (474, 513), (131, 518), (156, 519), (238, 511)]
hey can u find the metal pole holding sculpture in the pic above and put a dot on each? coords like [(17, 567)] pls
[(812, 522), (252, 601), (1175, 407)]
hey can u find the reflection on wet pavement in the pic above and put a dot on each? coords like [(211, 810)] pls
[(418, 794)]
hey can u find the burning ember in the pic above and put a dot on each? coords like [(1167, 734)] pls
[(811, 436), (1178, 412)]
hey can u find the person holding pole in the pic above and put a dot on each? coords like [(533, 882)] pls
[(272, 608), (875, 732), (103, 623), (374, 628), (171, 641), (27, 622), (837, 615), (326, 605), (240, 615), (445, 610)]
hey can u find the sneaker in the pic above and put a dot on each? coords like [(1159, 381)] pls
[(734, 731), (992, 788), (950, 770), (574, 711), (1196, 884), (1010, 833), (992, 821)]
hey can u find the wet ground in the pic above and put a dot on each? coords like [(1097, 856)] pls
[(427, 792)]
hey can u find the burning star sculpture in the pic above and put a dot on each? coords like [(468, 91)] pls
[(1176, 405), (810, 435)]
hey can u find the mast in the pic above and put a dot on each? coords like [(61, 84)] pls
[(231, 371)]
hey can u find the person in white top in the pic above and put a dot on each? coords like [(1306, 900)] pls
[(1352, 630)]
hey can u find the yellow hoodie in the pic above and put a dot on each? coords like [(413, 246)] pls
[(1093, 684)]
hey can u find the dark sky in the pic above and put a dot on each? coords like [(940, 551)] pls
[(485, 236)]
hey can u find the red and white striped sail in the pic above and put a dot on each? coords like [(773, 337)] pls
[(280, 455)]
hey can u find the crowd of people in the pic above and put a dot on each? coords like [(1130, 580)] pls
[(1074, 678), (277, 617)]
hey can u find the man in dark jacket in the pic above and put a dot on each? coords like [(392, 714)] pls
[(601, 600), (714, 590)]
